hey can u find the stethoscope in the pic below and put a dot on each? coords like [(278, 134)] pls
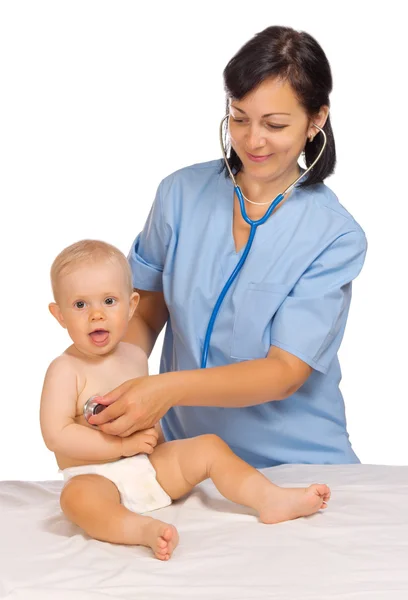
[(254, 225)]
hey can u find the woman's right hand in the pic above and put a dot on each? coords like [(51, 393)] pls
[(137, 404), (140, 442)]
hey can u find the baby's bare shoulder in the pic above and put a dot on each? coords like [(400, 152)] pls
[(63, 364)]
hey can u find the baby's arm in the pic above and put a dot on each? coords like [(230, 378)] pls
[(57, 417), (159, 430)]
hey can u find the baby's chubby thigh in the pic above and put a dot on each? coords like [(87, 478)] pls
[(182, 464), (83, 496)]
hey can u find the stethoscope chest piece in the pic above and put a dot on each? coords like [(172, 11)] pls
[(91, 407)]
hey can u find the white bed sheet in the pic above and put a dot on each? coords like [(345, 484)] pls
[(355, 550)]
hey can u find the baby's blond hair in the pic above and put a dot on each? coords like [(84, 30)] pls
[(87, 251)]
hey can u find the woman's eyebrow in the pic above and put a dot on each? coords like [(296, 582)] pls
[(267, 115)]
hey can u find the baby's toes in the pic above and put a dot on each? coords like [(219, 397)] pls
[(327, 495), (162, 549), (166, 543), (324, 493), (172, 537), (322, 490)]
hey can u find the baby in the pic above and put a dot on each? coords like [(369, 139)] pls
[(111, 481)]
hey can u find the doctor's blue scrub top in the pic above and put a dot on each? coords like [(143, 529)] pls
[(293, 292)]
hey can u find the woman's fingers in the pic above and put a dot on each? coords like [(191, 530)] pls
[(135, 405), (118, 425), (111, 412), (130, 431), (135, 424), (116, 393)]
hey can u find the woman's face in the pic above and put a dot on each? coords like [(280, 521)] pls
[(269, 128)]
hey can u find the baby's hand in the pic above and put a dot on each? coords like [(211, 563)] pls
[(141, 442)]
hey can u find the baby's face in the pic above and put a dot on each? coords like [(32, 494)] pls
[(96, 304)]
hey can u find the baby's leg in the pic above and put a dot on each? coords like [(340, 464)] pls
[(93, 503), (180, 465)]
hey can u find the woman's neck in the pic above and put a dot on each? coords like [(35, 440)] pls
[(258, 190)]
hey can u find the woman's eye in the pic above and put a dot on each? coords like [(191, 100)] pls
[(110, 301), (269, 125), (79, 304)]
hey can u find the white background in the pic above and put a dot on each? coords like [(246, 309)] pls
[(100, 100)]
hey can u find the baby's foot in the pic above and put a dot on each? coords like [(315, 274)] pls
[(285, 504), (162, 538)]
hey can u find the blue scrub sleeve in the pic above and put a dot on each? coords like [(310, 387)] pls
[(310, 322), (148, 252)]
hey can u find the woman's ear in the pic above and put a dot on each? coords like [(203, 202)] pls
[(56, 313), (319, 119)]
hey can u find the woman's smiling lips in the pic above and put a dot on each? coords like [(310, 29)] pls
[(255, 158)]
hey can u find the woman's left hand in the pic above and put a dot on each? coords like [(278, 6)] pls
[(136, 404)]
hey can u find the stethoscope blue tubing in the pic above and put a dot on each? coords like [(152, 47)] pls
[(254, 225)]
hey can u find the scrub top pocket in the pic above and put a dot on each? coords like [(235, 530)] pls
[(251, 335)]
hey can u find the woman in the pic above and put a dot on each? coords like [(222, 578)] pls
[(272, 392)]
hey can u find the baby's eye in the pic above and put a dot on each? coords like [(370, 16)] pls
[(110, 301), (79, 304)]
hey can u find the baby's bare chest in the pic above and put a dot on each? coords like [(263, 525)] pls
[(97, 380)]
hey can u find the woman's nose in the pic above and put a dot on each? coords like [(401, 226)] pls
[(255, 137)]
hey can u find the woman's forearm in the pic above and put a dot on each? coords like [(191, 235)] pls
[(140, 403), (242, 384)]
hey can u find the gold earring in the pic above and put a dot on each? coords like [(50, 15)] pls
[(311, 138)]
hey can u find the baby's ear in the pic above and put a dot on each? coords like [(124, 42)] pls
[(56, 312), (133, 302)]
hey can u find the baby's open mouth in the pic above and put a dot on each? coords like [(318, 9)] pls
[(99, 336)]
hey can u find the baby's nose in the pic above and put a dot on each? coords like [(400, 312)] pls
[(97, 315)]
